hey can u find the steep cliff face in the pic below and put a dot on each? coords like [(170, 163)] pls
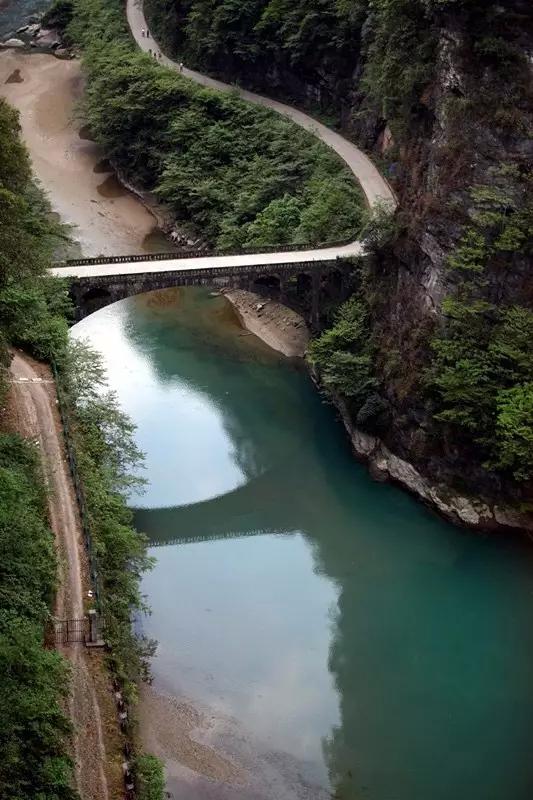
[(441, 91), (462, 263)]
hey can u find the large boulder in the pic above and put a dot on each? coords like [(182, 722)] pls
[(47, 37), (13, 43)]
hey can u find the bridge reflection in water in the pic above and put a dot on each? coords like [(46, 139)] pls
[(260, 506), (429, 639)]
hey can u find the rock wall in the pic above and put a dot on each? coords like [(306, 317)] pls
[(469, 112), (462, 509)]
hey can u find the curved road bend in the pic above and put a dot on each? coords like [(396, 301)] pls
[(373, 184)]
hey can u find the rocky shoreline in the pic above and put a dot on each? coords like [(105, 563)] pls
[(286, 331), (33, 36), (471, 512)]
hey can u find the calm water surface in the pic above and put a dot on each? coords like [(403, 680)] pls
[(369, 650), (14, 13)]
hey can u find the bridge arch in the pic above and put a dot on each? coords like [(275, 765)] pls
[(92, 299), (295, 284)]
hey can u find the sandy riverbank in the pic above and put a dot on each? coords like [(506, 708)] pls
[(83, 191), (278, 326), (106, 217)]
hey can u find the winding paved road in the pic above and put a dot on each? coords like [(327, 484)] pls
[(374, 185)]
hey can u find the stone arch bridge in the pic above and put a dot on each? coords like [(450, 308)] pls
[(279, 271), (301, 278)]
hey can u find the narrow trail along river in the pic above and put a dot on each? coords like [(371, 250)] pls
[(320, 635)]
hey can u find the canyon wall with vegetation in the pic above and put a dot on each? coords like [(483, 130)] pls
[(433, 353)]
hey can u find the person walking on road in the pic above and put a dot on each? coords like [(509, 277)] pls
[(147, 33), (142, 31), (181, 66)]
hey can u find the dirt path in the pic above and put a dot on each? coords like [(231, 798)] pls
[(37, 418), (374, 185)]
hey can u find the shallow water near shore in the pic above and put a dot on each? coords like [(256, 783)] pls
[(105, 217), (320, 635)]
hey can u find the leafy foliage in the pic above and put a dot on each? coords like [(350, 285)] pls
[(33, 728), (240, 175), (319, 40), (33, 306), (514, 430), (483, 365), (107, 459), (253, 34), (150, 778), (343, 354), (58, 16)]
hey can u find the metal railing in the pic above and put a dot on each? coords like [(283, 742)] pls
[(67, 631), (191, 253)]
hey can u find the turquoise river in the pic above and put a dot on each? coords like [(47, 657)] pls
[(320, 635)]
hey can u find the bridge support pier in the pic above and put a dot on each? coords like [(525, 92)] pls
[(316, 282), (283, 288)]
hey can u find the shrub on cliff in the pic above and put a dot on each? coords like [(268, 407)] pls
[(343, 355), (482, 369)]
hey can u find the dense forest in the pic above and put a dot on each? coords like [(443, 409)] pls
[(34, 315), (33, 728), (439, 333), (238, 175)]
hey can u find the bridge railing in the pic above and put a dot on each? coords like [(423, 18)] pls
[(191, 253)]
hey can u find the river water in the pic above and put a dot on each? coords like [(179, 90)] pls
[(321, 635), (15, 13)]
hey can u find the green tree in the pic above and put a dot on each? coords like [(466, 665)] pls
[(514, 431), (343, 355)]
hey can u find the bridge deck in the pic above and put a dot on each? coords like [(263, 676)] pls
[(190, 263)]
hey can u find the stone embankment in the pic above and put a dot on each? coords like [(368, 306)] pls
[(34, 36)]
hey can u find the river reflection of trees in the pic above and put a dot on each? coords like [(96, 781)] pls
[(431, 647)]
